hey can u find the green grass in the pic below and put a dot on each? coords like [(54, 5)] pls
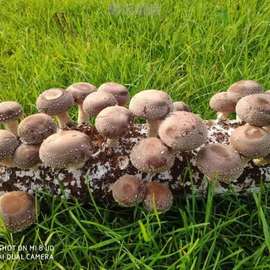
[(191, 49)]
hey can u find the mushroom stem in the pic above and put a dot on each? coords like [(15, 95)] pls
[(63, 120), (82, 115), (153, 126), (221, 116), (12, 126), (238, 119), (112, 143)]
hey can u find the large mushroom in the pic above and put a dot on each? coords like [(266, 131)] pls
[(153, 105), (35, 128), (68, 149), (219, 162), (56, 102), (113, 122), (79, 92), (246, 87), (17, 209), (254, 109), (10, 112), (183, 131), (119, 91)]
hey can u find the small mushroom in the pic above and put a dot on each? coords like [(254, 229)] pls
[(251, 142), (181, 106), (26, 156), (79, 92), (113, 122), (10, 112), (56, 102), (153, 105), (158, 196), (35, 128), (119, 91), (8, 145), (224, 103), (97, 101), (254, 109), (219, 162), (68, 149), (246, 87), (150, 155), (183, 131), (17, 209), (128, 190)]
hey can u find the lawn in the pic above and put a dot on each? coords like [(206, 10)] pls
[(191, 49)]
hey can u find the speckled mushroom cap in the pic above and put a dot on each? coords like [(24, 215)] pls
[(26, 156), (158, 196), (81, 90), (128, 190), (113, 121), (250, 141), (10, 110), (254, 109), (224, 102), (97, 101), (183, 131), (119, 91), (36, 128), (67, 149), (219, 162), (151, 155), (181, 106), (8, 144), (17, 209), (151, 104), (246, 87), (54, 101)]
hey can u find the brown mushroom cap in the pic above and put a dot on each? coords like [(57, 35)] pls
[(81, 90), (119, 91), (128, 190), (36, 128), (67, 149), (17, 209), (151, 155), (158, 196), (219, 162), (250, 141), (246, 87), (113, 121), (183, 131), (254, 109), (97, 101), (181, 106), (9, 111), (8, 144), (26, 156)]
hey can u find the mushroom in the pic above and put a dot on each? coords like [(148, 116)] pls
[(150, 155), (246, 87), (128, 190), (95, 102), (56, 102), (224, 103), (10, 112), (17, 209), (251, 142), (35, 128), (119, 91), (113, 122), (254, 109), (8, 145), (68, 149), (158, 196), (26, 156), (153, 105), (183, 131), (219, 162), (79, 92), (181, 106)]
